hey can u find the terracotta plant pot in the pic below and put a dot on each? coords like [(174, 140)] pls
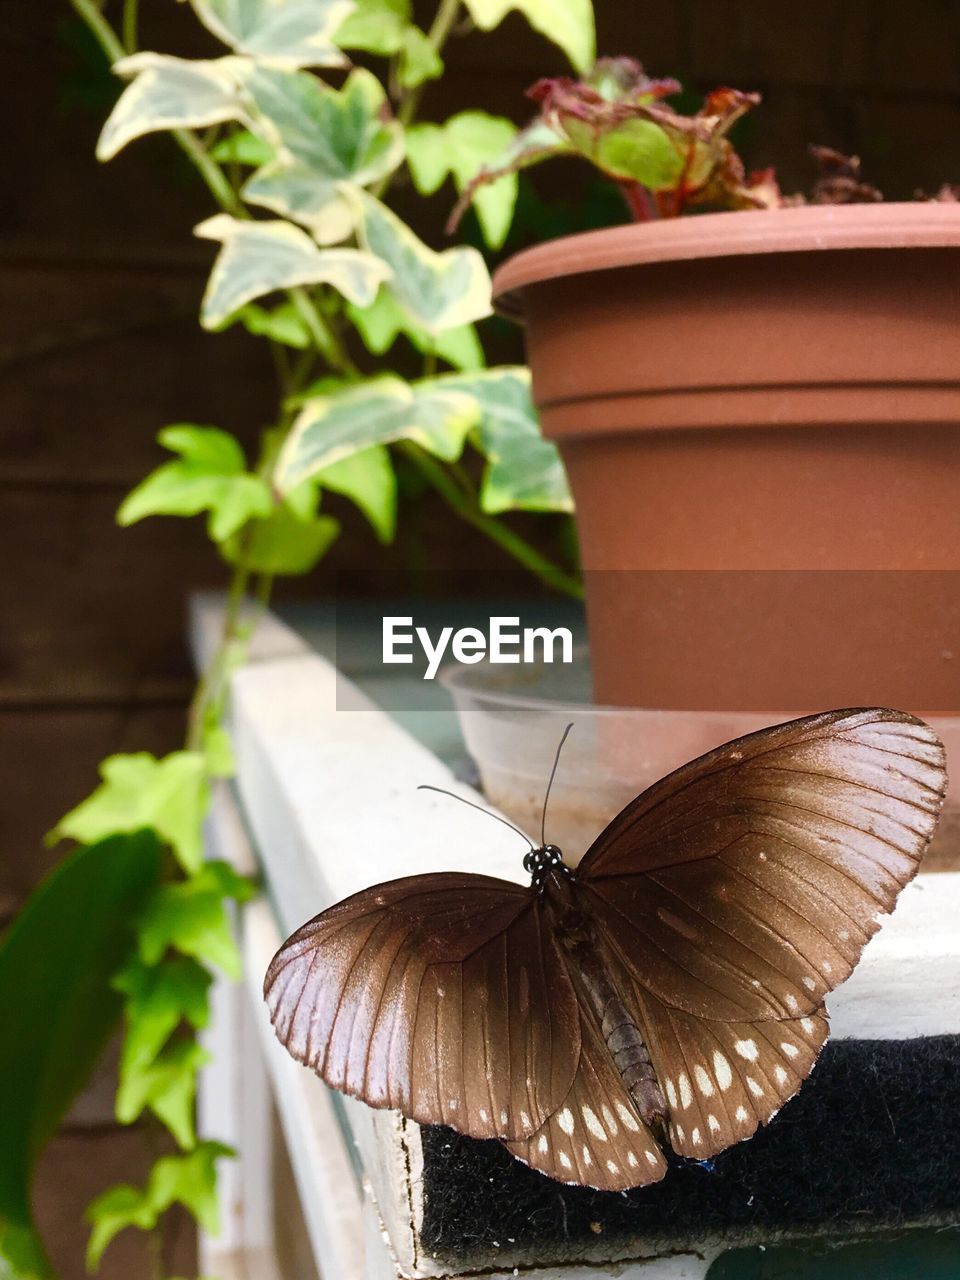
[(741, 393)]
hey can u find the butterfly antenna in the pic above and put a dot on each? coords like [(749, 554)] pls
[(553, 774), (425, 786)]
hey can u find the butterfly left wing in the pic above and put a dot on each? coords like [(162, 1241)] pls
[(723, 1080), (442, 996), (595, 1138), (745, 885)]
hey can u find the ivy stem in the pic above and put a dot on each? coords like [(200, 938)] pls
[(130, 17), (464, 502), (443, 23)]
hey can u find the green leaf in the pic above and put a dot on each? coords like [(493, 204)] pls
[(638, 150), (259, 257), (568, 23), (376, 26), (169, 93), (419, 60), (170, 796), (462, 146), (122, 1206), (290, 542), (283, 324), (524, 470), (57, 1010), (242, 147), (297, 33), (167, 1087), (210, 476), (190, 1180), (22, 1256), (380, 411), (218, 750), (323, 137), (368, 480), (380, 324), (437, 291), (189, 916), (157, 999)]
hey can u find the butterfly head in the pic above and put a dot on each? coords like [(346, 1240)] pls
[(540, 862)]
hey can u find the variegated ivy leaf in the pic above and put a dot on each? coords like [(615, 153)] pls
[(322, 137), (259, 257), (376, 26), (466, 143), (169, 93), (524, 470), (568, 23), (380, 324), (381, 411), (295, 33), (437, 291), (369, 481)]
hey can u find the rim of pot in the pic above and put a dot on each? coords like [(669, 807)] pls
[(923, 224)]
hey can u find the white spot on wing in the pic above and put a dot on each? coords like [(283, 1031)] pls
[(704, 1083), (808, 1025), (714, 1124), (742, 1115), (632, 1160), (593, 1124), (609, 1120), (686, 1093), (587, 1157), (504, 1118), (781, 1075), (747, 1049), (525, 1119), (629, 1119), (671, 1093), (754, 1088), (543, 1145), (613, 1166), (792, 1003), (651, 1158), (564, 1159), (721, 1069), (789, 1049), (809, 983), (695, 1137), (483, 1115), (565, 1120)]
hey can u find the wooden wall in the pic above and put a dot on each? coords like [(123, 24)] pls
[(99, 348)]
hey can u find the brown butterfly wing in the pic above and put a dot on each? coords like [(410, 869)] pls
[(595, 1138), (442, 996), (722, 1080), (744, 886)]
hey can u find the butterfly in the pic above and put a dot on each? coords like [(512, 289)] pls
[(667, 994)]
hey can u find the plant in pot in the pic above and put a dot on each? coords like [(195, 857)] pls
[(298, 151), (758, 409)]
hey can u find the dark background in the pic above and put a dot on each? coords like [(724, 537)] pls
[(100, 348)]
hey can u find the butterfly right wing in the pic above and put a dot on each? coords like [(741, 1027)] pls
[(595, 1138), (442, 996)]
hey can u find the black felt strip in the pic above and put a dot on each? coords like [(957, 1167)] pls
[(872, 1141)]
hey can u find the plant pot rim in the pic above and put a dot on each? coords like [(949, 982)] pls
[(896, 225)]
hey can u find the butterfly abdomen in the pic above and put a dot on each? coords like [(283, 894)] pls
[(621, 1034)]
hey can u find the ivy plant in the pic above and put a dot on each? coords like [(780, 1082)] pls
[(298, 149)]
